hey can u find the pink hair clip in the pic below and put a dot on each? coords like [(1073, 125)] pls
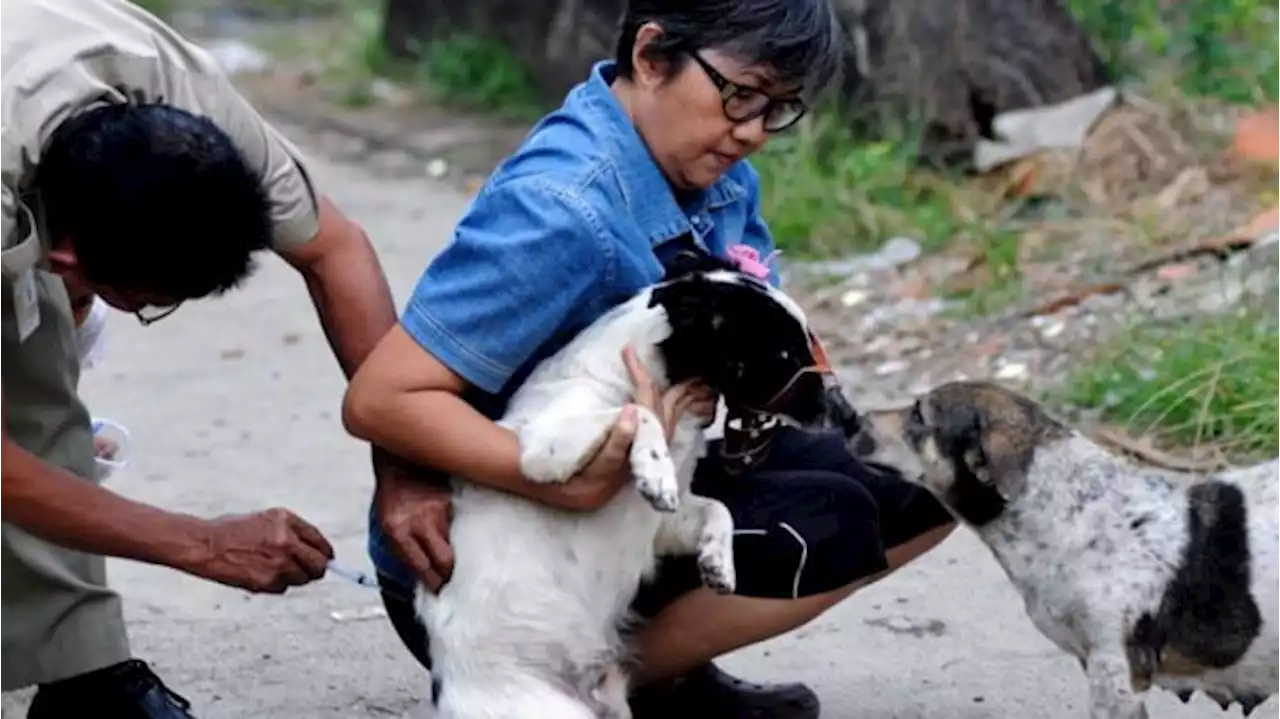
[(748, 260)]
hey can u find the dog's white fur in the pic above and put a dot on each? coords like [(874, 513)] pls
[(528, 627), (1067, 544)]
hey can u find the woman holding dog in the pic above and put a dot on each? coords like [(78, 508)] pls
[(645, 156)]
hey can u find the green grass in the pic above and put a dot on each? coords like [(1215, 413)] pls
[(159, 8), (824, 192), (479, 74), (462, 71), (827, 194), (1211, 382), (1223, 49)]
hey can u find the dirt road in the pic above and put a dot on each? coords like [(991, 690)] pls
[(234, 406)]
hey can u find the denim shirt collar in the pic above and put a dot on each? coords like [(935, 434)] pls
[(648, 194)]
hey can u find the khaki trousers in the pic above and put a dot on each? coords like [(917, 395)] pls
[(59, 617)]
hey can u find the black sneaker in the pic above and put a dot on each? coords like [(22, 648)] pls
[(710, 693), (129, 690)]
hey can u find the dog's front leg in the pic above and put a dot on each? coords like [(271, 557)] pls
[(1111, 693), (559, 441), (704, 527), (651, 463)]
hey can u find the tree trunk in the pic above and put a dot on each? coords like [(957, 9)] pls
[(559, 39), (944, 68), (947, 68)]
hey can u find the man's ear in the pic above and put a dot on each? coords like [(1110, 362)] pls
[(62, 259)]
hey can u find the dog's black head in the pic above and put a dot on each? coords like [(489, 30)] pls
[(743, 338)]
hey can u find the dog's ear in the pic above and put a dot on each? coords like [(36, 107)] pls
[(998, 458), (692, 303), (694, 259), (988, 454)]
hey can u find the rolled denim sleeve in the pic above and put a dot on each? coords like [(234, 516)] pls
[(756, 232), (522, 259)]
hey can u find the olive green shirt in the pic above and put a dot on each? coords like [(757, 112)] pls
[(60, 58)]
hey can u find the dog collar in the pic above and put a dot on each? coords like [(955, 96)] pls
[(749, 431)]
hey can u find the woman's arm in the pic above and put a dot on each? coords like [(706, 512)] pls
[(407, 401), (521, 261)]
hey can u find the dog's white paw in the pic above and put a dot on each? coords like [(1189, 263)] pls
[(652, 466), (715, 563), (655, 475)]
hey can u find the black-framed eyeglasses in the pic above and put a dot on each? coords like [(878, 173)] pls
[(149, 314), (743, 103)]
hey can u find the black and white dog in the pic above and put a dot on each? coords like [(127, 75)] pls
[(1148, 578), (529, 626)]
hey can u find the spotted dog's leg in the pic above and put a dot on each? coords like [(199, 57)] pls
[(703, 526), (651, 463), (1111, 693)]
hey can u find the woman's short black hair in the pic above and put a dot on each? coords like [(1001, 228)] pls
[(799, 40), (153, 199)]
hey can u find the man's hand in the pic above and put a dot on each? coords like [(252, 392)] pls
[(266, 551), (414, 515), (610, 468)]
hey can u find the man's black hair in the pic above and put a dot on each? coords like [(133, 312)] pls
[(153, 199), (799, 40)]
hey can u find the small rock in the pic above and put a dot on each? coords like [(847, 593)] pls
[(437, 168), (899, 251), (359, 615), (237, 56), (1052, 329), (895, 252), (1177, 272), (854, 297), (389, 93), (1221, 295), (1269, 239), (1012, 371), (891, 367)]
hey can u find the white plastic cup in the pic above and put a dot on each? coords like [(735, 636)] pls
[(116, 432)]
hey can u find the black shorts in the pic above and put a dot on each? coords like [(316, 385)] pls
[(808, 520)]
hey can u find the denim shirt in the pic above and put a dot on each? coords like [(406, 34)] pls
[(577, 220)]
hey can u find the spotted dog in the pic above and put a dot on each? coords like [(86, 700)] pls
[(1148, 578), (529, 625)]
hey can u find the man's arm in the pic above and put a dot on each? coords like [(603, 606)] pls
[(347, 285), (262, 552), (53, 504), (354, 303)]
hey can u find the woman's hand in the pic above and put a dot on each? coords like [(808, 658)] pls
[(610, 468)]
